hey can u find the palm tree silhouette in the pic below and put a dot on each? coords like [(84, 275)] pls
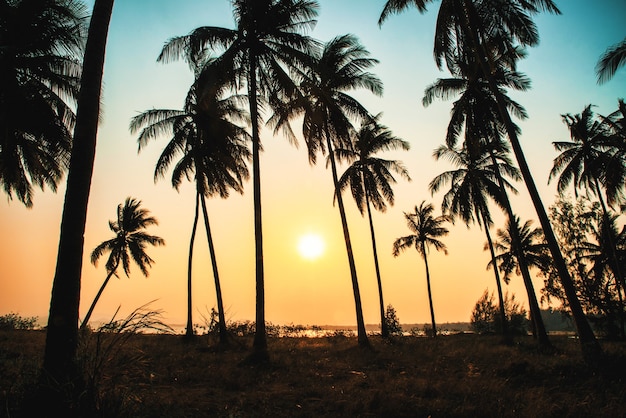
[(266, 42), (128, 245), (42, 43), (62, 331), (583, 162), (369, 178), (326, 107), (612, 59), (472, 183), (425, 231), (213, 150), (534, 250), (472, 28)]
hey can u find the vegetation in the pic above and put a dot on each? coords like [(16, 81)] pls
[(486, 317), (458, 375), (48, 68)]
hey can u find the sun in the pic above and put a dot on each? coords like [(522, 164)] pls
[(311, 246)]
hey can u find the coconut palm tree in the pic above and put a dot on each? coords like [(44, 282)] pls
[(213, 151), (327, 110), (129, 244), (62, 331), (266, 42), (612, 59), (583, 162), (370, 178), (42, 43), (425, 231), (534, 250), (472, 28), (472, 183)]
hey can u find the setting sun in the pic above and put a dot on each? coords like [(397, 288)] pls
[(311, 246)]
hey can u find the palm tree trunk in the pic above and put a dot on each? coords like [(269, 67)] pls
[(589, 344), (216, 277), (62, 331), (95, 300), (189, 327), (360, 323), (430, 295), (505, 323), (617, 271), (384, 329), (259, 346)]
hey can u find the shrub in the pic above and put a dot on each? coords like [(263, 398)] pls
[(392, 321), (486, 315), (13, 321)]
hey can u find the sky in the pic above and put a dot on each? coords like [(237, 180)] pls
[(296, 197)]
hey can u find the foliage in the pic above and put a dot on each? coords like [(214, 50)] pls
[(486, 318), (578, 226), (392, 320), (106, 363), (14, 321)]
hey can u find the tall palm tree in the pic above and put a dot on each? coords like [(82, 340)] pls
[(425, 231), (40, 50), (370, 178), (471, 185), (213, 150), (612, 59), (323, 101), (471, 27), (128, 245), (62, 331), (266, 41)]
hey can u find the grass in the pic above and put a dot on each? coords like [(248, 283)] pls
[(451, 376)]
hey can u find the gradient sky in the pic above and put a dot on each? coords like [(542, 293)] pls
[(297, 198)]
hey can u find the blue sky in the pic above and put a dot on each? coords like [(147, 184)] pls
[(297, 198)]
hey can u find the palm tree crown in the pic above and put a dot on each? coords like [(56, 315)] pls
[(130, 239), (41, 42)]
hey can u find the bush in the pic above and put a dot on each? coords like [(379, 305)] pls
[(392, 321), (486, 315), (13, 321)]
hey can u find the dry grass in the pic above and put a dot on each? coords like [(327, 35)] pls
[(458, 375)]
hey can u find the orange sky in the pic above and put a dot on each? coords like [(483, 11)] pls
[(297, 198)]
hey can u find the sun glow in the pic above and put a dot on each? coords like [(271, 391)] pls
[(311, 246)]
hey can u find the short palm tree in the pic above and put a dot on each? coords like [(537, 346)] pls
[(129, 244), (267, 40), (425, 231), (370, 178), (612, 59), (327, 109), (535, 254), (40, 51), (213, 150)]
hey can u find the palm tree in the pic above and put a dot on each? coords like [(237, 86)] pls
[(425, 231), (612, 59), (40, 76), (62, 331), (472, 28), (327, 108), (584, 161), (370, 178), (128, 245), (471, 185), (213, 149), (265, 42), (532, 247)]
